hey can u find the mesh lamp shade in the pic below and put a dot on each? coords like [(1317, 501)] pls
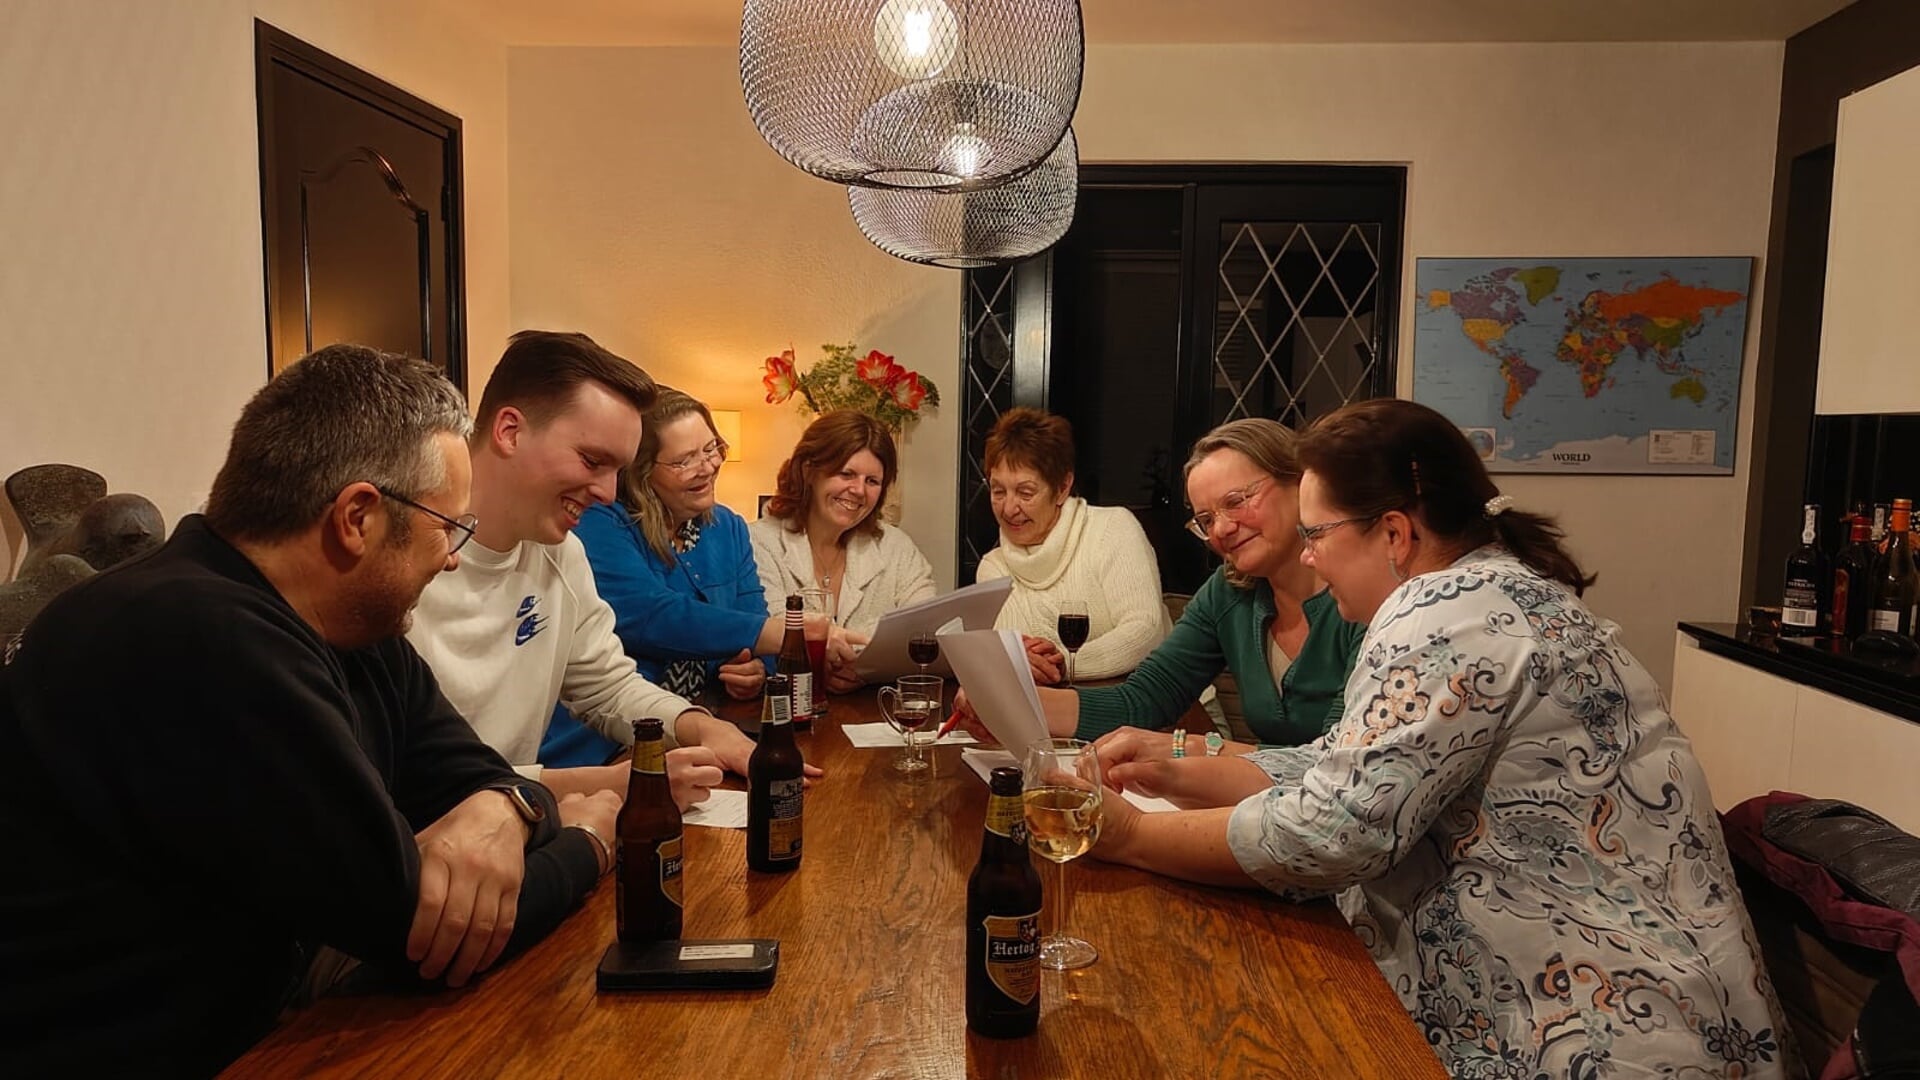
[(951, 95), (975, 228)]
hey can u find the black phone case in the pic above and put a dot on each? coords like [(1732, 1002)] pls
[(724, 964)]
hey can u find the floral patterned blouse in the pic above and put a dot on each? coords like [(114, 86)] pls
[(1522, 837)]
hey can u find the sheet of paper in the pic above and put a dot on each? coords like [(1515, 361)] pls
[(983, 762), (879, 735), (991, 666), (974, 607), (721, 809)]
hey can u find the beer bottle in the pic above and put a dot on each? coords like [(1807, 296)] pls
[(1003, 920), (774, 785), (794, 663), (646, 852)]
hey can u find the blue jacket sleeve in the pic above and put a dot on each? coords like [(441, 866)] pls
[(658, 613), (734, 561)]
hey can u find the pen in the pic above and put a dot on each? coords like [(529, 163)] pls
[(948, 726)]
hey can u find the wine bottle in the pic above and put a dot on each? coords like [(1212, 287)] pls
[(1896, 585), (1853, 580), (1805, 602)]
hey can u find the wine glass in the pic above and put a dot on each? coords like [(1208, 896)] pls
[(1061, 794), (916, 704), (1073, 625), (922, 649)]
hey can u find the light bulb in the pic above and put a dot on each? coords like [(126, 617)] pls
[(965, 153), (916, 39)]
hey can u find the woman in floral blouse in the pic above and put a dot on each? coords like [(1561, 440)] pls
[(1510, 818)]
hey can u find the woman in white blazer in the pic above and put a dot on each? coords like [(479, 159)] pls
[(821, 529)]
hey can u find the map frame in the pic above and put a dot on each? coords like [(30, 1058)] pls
[(1640, 270)]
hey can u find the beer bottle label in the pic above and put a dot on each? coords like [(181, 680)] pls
[(669, 853), (1013, 955), (802, 696), (784, 820), (1004, 818), (650, 757)]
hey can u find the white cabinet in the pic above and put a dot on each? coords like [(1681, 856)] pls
[(1754, 732), (1868, 359)]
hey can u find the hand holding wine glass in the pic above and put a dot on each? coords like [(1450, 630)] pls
[(1062, 798), (1074, 625)]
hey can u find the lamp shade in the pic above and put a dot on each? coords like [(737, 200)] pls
[(951, 95), (726, 424), (975, 228)]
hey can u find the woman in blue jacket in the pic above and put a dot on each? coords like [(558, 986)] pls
[(678, 570)]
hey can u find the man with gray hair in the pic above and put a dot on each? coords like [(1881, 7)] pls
[(225, 758)]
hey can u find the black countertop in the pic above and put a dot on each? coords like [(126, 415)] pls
[(1890, 683)]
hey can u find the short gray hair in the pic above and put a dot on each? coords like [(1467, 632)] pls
[(338, 416)]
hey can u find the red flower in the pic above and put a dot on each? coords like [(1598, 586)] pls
[(879, 371), (909, 390), (780, 379)]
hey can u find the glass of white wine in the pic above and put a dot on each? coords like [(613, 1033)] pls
[(1061, 796)]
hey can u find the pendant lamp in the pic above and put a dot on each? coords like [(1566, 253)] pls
[(952, 95), (975, 228)]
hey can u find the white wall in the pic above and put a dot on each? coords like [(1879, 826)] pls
[(130, 251), (646, 209)]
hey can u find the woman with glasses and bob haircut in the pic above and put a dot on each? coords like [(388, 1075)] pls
[(1262, 615), (677, 568), (1506, 811)]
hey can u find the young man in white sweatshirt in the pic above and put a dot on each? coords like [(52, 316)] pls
[(519, 626)]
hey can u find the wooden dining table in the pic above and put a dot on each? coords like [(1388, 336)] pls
[(1191, 980)]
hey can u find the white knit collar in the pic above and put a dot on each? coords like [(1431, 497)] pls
[(1040, 566)]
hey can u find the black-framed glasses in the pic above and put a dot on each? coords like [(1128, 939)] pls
[(1201, 524), (715, 451), (1310, 534), (460, 529)]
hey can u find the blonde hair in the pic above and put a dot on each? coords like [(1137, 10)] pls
[(642, 503), (1269, 444)]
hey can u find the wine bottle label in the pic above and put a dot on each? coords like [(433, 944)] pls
[(1882, 619), (650, 757), (1013, 954), (1805, 617), (802, 695), (669, 852), (1810, 527), (784, 798), (1006, 818)]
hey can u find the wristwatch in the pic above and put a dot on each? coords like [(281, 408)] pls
[(520, 793)]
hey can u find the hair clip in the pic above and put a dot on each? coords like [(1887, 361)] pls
[(1498, 505)]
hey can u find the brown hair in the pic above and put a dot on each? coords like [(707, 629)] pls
[(343, 414), (642, 503), (1269, 444), (541, 370), (825, 446), (1032, 439), (1389, 454)]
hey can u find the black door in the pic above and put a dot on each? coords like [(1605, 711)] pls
[(360, 206), (1184, 297)]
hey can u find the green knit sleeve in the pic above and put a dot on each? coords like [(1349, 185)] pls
[(1171, 678)]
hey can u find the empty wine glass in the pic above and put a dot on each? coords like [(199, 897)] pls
[(1061, 794), (1073, 625), (922, 649)]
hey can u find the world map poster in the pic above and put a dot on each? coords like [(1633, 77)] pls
[(1585, 365)]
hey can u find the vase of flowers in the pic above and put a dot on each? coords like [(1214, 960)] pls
[(873, 384)]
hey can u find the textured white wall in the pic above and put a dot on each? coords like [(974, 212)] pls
[(646, 209), (130, 255)]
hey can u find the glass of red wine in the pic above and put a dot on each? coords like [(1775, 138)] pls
[(1074, 626), (922, 649), (911, 705)]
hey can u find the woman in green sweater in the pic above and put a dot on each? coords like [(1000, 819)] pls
[(1264, 616)]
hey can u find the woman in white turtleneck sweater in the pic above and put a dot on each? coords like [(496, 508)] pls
[(1056, 548)]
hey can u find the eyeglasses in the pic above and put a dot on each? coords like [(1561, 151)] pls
[(715, 451), (1310, 534), (459, 530), (1231, 504)]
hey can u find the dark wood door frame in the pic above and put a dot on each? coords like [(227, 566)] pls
[(273, 46)]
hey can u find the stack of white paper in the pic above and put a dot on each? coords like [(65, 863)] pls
[(880, 735), (721, 809)]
